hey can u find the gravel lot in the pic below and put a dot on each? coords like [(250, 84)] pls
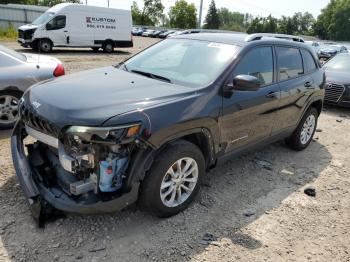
[(252, 208)]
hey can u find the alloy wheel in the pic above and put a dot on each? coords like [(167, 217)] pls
[(179, 182), (308, 129), (8, 109)]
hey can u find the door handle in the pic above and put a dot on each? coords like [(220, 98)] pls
[(65, 31), (271, 95)]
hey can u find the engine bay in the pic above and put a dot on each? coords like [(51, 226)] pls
[(84, 163)]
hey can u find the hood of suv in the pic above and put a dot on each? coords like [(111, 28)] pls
[(91, 97), (337, 76)]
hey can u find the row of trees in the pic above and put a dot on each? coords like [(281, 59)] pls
[(333, 22), (299, 23)]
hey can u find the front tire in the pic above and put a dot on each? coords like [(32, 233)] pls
[(9, 101), (302, 136), (45, 45), (174, 179)]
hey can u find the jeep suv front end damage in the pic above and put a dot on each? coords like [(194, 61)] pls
[(79, 169)]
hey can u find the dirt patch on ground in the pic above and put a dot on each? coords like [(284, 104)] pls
[(251, 208)]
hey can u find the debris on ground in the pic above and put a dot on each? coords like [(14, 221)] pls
[(310, 191)]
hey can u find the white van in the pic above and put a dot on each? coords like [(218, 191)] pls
[(76, 25)]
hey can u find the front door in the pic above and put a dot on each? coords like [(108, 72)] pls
[(57, 32), (248, 116)]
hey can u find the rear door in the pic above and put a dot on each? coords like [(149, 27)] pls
[(294, 83), (248, 116)]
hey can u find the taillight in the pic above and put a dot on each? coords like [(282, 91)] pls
[(59, 70)]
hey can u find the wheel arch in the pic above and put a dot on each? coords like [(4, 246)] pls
[(44, 38), (11, 88), (108, 40), (142, 159), (318, 104)]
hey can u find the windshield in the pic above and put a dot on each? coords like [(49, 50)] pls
[(13, 53), (339, 62), (45, 17), (188, 62)]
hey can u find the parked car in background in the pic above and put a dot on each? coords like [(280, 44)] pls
[(76, 25), (330, 51), (137, 31), (148, 32), (338, 80), (166, 34), (17, 73), (157, 33), (315, 45), (188, 31), (158, 121)]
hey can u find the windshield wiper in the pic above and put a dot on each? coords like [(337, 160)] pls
[(150, 75)]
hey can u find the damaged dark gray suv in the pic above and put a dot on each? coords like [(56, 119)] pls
[(149, 128)]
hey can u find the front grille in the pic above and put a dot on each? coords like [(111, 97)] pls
[(334, 92), (27, 34), (33, 120), (20, 34)]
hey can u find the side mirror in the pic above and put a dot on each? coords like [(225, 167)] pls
[(245, 83)]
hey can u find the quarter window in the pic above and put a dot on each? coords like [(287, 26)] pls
[(290, 64), (309, 62), (258, 63), (56, 23)]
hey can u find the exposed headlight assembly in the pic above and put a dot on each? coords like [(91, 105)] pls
[(104, 134)]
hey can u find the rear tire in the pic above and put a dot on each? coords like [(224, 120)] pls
[(9, 101), (45, 45), (174, 179), (302, 136), (108, 47)]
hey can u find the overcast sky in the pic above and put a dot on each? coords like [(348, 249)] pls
[(262, 7)]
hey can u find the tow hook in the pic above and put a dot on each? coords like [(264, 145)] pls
[(44, 212)]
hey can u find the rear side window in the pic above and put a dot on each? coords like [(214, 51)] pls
[(259, 63), (290, 64), (309, 62), (56, 23)]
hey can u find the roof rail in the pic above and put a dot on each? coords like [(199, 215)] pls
[(259, 36)]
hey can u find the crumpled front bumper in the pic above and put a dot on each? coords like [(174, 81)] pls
[(36, 191)]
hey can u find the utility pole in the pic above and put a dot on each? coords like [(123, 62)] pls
[(200, 14), (86, 2), (108, 3)]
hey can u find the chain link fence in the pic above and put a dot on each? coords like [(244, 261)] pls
[(13, 15)]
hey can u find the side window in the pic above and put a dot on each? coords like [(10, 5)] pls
[(309, 62), (290, 64), (259, 63), (56, 23)]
